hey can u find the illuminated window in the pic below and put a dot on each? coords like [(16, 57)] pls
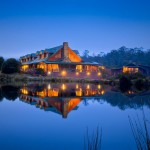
[(55, 67), (25, 67), (79, 92), (79, 68)]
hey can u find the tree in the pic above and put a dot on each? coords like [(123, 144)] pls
[(11, 66), (86, 53), (1, 62)]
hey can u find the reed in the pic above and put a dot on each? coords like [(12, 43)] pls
[(93, 142), (140, 133)]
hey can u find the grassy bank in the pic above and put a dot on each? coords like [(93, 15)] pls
[(4, 78)]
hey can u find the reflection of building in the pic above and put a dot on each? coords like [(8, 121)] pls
[(60, 61), (58, 105), (59, 98), (63, 90), (132, 68)]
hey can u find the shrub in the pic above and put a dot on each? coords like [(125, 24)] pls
[(124, 83), (35, 71), (132, 75)]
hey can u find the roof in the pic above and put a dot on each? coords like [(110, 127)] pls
[(54, 49), (76, 51), (75, 63), (51, 52), (131, 65), (36, 61), (145, 67), (116, 69)]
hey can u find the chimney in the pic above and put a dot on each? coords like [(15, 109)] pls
[(65, 53)]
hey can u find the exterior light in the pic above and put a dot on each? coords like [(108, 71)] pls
[(77, 73), (88, 73), (88, 86), (77, 86), (99, 74), (63, 87), (49, 73), (103, 92), (63, 73), (99, 86), (49, 86)]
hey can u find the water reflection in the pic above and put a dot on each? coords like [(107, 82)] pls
[(9, 92), (59, 98), (63, 98), (63, 90)]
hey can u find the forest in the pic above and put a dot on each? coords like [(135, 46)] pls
[(120, 57)]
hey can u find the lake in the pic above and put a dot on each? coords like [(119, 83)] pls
[(55, 116)]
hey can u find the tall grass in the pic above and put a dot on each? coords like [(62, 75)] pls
[(93, 142), (140, 133)]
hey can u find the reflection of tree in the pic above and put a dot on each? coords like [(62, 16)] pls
[(124, 83), (123, 101), (85, 102), (10, 92), (117, 99), (1, 95)]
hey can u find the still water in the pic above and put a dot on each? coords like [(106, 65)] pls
[(55, 116)]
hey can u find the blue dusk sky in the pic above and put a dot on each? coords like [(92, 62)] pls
[(96, 25)]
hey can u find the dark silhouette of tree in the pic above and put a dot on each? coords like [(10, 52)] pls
[(1, 95), (86, 55), (120, 57), (11, 66), (1, 62), (139, 84)]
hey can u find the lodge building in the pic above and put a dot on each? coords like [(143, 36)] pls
[(131, 68), (62, 61)]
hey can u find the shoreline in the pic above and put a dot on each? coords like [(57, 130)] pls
[(11, 78)]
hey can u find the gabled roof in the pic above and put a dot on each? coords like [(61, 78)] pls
[(33, 54), (54, 49), (63, 60), (50, 50), (131, 65), (76, 51)]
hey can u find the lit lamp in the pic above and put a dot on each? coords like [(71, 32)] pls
[(49, 73), (88, 86), (99, 74), (63, 73), (99, 86), (63, 87), (88, 73), (77, 73), (49, 86), (103, 92), (77, 86)]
